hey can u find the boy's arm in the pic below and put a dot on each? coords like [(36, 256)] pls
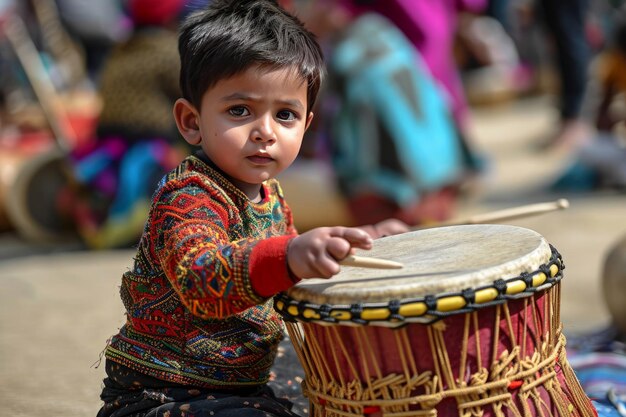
[(213, 276)]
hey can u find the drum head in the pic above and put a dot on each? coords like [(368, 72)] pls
[(445, 268)]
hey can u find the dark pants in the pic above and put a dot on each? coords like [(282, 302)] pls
[(565, 20), (127, 393)]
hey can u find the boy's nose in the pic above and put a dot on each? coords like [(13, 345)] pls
[(264, 130)]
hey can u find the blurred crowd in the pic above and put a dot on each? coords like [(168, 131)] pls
[(87, 87)]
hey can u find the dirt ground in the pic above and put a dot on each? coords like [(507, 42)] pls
[(58, 307)]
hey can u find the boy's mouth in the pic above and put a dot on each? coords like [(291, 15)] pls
[(260, 159)]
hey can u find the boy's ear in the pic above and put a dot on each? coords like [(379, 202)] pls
[(309, 119), (187, 118)]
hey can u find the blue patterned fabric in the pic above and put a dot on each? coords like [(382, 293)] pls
[(610, 406)]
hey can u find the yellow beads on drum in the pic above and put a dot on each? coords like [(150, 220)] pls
[(310, 314), (539, 279), (340, 315), (413, 309), (554, 269), (486, 295), (451, 303), (515, 287), (371, 314), (428, 308)]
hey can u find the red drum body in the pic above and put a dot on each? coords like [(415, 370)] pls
[(470, 327)]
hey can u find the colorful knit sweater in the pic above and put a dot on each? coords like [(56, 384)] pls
[(198, 298)]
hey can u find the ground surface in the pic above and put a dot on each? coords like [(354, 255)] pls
[(59, 304)]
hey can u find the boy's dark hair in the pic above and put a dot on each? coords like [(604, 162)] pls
[(230, 36)]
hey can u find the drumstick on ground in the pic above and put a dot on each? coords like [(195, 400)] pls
[(367, 262), (506, 214)]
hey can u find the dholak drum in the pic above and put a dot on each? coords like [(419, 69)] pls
[(33, 204), (469, 327)]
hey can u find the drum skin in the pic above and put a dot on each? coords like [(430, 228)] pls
[(436, 261), (502, 357)]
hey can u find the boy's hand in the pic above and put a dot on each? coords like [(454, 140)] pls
[(316, 253), (386, 228)]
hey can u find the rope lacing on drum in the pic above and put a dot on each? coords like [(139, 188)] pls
[(324, 311), (431, 302), (482, 389), (394, 309), (527, 278), (355, 311), (469, 295), (500, 285)]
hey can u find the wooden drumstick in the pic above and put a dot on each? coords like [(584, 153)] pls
[(509, 214), (517, 212), (367, 262)]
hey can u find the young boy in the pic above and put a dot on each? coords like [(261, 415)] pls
[(201, 332)]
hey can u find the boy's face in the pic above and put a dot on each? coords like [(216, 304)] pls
[(251, 125)]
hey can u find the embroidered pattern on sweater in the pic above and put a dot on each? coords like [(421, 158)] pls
[(193, 316)]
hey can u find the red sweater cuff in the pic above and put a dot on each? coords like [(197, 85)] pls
[(268, 270)]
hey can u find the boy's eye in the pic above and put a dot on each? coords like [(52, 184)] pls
[(286, 115), (238, 111)]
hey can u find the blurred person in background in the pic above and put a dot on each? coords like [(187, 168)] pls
[(599, 357), (569, 50), (600, 161), (98, 26), (137, 140), (605, 102), (392, 138), (565, 21), (431, 27)]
